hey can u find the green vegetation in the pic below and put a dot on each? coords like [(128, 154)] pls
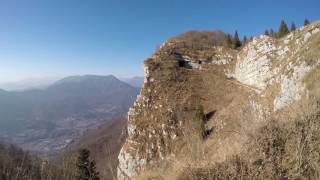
[(236, 41), (245, 40), (293, 26), (199, 120), (306, 22), (283, 29), (229, 41), (86, 167), (240, 146), (272, 33)]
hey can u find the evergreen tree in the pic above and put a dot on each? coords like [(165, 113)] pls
[(86, 168), (272, 33), (266, 32), (306, 22), (283, 29), (229, 41), (245, 39), (293, 26), (236, 40)]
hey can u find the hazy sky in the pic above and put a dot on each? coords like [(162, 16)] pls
[(74, 37)]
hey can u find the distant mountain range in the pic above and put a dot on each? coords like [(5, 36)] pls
[(29, 84), (42, 83), (48, 119), (136, 81)]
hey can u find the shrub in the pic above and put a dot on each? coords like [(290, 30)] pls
[(198, 119)]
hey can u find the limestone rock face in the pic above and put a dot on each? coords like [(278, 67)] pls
[(266, 62), (254, 62), (264, 77)]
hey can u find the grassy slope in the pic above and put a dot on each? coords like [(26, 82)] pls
[(286, 146), (104, 144)]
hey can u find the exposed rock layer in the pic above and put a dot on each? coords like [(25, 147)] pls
[(262, 78)]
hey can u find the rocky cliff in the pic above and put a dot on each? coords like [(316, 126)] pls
[(238, 89)]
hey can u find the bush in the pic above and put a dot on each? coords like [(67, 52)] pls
[(199, 120)]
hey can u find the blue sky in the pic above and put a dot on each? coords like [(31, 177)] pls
[(45, 38)]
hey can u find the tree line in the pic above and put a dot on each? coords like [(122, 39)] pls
[(284, 29), (16, 164), (235, 42)]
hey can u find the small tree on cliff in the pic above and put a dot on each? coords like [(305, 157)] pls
[(86, 168), (245, 40), (283, 29), (272, 34), (306, 22), (293, 26), (236, 40), (266, 32), (228, 41)]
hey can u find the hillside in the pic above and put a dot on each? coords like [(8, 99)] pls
[(16, 164), (104, 143), (210, 112), (47, 120)]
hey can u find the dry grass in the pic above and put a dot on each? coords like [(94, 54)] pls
[(202, 38), (244, 144), (16, 164), (310, 78), (280, 149), (104, 144)]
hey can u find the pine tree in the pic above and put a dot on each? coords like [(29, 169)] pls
[(283, 29), (229, 41), (293, 26), (306, 22), (272, 33), (266, 33), (245, 39), (86, 168), (236, 40)]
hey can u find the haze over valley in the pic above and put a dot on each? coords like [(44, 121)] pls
[(159, 90), (46, 120)]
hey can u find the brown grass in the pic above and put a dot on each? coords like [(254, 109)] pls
[(104, 144), (242, 145), (278, 150)]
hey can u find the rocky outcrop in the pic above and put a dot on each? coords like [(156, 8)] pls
[(266, 62), (254, 62), (264, 77)]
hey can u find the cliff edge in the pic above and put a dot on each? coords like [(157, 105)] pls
[(238, 91)]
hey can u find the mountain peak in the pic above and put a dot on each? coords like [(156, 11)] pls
[(83, 78), (236, 91)]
